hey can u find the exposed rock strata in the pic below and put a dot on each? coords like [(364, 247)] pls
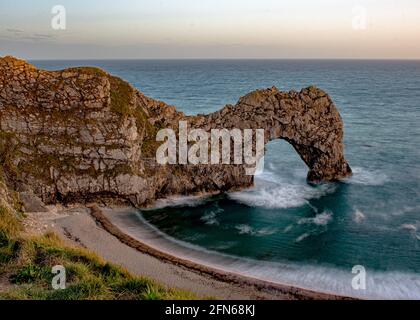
[(81, 133)]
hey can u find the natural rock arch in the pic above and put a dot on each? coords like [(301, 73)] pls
[(308, 120), (81, 133)]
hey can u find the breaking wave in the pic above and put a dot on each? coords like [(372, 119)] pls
[(321, 219), (210, 217), (273, 193), (359, 216), (184, 201), (247, 229), (367, 177)]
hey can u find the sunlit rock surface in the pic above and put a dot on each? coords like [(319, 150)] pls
[(81, 134)]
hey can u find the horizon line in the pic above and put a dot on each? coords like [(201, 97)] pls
[(216, 59)]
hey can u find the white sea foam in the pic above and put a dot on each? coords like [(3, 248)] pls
[(409, 227), (288, 228), (272, 193), (359, 216), (187, 201), (300, 173), (244, 229), (321, 219), (210, 217), (303, 237), (404, 210), (367, 177), (247, 229), (266, 231)]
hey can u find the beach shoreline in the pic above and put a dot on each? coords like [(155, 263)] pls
[(108, 240)]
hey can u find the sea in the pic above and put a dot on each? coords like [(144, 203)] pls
[(359, 237)]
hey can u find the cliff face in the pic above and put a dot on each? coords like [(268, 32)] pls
[(80, 133)]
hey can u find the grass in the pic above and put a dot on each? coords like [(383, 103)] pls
[(28, 261), (88, 70), (121, 92), (88, 276)]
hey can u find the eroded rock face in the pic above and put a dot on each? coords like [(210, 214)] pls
[(308, 120), (81, 133)]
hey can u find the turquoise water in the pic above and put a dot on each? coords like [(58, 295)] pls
[(371, 219)]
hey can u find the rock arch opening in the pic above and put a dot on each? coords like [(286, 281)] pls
[(308, 120)]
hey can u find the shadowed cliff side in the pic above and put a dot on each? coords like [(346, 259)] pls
[(81, 134)]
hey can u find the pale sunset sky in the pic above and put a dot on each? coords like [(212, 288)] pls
[(109, 29)]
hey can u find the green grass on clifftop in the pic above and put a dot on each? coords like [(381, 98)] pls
[(121, 94), (88, 276)]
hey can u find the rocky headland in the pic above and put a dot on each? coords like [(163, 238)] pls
[(81, 134)]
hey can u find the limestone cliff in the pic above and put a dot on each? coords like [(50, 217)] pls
[(81, 134)]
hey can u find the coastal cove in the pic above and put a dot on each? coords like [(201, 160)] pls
[(298, 280), (370, 219), (209, 159), (297, 239)]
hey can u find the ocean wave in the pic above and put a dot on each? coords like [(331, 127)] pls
[(288, 228), (210, 217), (359, 216), (181, 201), (367, 177), (404, 210), (224, 245), (412, 229), (267, 231), (245, 229), (321, 219), (268, 176), (303, 237), (409, 227), (248, 230), (281, 195)]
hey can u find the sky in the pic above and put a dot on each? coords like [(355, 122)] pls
[(183, 29)]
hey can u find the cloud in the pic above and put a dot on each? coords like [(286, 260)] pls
[(36, 37), (43, 36), (18, 34), (11, 30)]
